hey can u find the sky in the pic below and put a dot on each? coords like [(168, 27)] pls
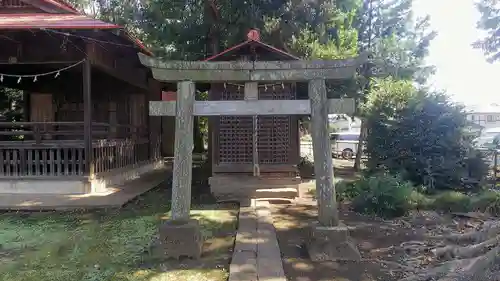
[(461, 70)]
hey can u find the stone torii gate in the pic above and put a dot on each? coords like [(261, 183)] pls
[(328, 239)]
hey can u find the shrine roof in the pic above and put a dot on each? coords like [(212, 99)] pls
[(63, 5), (66, 17), (55, 21), (253, 39)]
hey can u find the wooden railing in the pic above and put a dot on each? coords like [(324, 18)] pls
[(115, 154), (40, 131), (45, 155), (28, 159)]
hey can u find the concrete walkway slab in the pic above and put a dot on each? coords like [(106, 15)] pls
[(117, 197), (256, 255)]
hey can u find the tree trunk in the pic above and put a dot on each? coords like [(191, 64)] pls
[(359, 150), (212, 20)]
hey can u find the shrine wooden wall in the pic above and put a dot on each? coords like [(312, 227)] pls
[(124, 109), (231, 141)]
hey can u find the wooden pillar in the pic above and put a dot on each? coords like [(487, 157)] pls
[(323, 165), (168, 130), (87, 117), (155, 130), (168, 126), (252, 93), (183, 153)]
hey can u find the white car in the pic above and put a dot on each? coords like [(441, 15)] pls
[(487, 138), (344, 144)]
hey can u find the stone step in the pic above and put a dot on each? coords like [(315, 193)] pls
[(276, 193), (253, 181), (241, 187)]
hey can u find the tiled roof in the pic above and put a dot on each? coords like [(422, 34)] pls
[(55, 21), (72, 20)]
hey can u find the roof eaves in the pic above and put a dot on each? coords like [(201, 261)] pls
[(269, 47), (63, 5), (228, 50), (137, 42), (274, 49)]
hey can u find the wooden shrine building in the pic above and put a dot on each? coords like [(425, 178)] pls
[(254, 152), (232, 137), (85, 123)]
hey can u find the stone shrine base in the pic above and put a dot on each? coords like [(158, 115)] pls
[(331, 244), (238, 187), (181, 239)]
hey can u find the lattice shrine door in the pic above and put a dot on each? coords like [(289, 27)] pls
[(233, 145)]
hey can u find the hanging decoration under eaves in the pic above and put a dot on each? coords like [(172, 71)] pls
[(55, 73), (265, 86)]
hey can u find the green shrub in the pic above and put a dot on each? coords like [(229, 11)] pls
[(423, 133), (383, 195), (453, 201), (419, 200), (347, 190), (488, 201)]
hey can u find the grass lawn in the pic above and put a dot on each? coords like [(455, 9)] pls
[(111, 245)]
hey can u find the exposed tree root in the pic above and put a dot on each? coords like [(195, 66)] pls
[(477, 269), (402, 267), (490, 229), (471, 262), (437, 272), (464, 252)]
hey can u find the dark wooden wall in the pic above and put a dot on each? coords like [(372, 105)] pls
[(231, 141)]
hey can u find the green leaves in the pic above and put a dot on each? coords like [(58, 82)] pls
[(383, 195), (420, 133)]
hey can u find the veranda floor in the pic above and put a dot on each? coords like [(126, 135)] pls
[(116, 198)]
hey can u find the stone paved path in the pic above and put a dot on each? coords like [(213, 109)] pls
[(256, 255)]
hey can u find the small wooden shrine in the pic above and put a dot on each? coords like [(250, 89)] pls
[(232, 137)]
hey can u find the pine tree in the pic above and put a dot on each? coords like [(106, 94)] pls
[(389, 30), (398, 42), (490, 23)]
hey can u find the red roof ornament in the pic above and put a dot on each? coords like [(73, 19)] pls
[(253, 35)]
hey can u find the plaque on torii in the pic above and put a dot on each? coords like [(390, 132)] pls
[(315, 72)]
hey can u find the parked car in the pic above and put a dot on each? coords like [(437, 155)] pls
[(487, 138), (344, 144)]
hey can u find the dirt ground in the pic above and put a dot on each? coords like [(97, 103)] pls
[(385, 245), (391, 249), (291, 224)]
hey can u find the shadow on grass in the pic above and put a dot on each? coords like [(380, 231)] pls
[(113, 244)]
